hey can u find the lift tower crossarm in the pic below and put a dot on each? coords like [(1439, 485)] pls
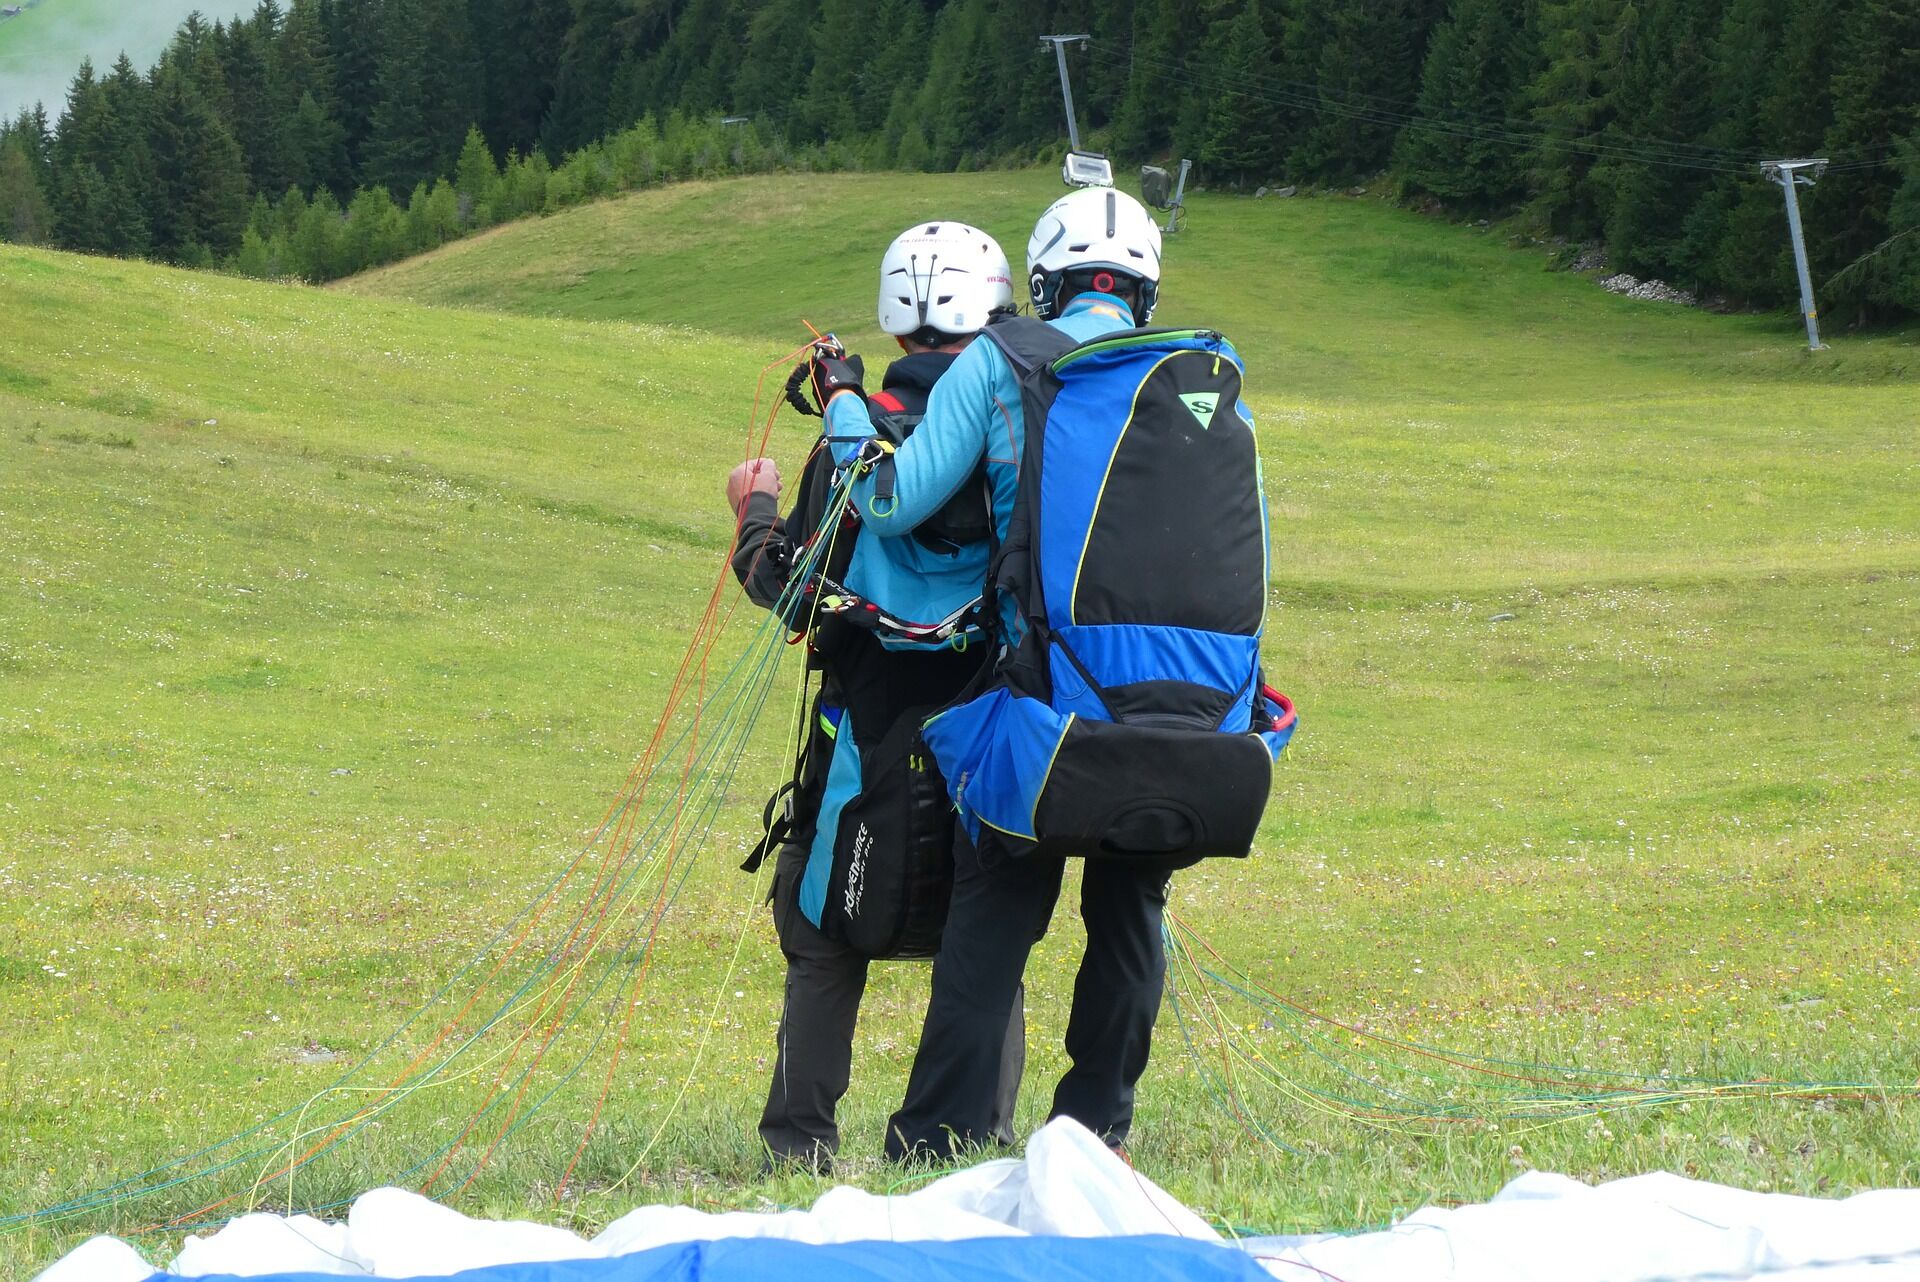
[(1060, 44)]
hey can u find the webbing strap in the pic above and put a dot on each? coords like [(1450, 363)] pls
[(836, 600), (1028, 344), (776, 826)]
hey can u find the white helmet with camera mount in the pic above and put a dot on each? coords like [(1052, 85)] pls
[(1093, 230), (944, 277)]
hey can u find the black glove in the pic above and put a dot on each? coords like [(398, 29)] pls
[(823, 375), (797, 380), (832, 374)]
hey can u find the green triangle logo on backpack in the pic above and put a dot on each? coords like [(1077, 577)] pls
[(1202, 404)]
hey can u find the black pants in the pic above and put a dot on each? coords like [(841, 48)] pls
[(997, 915), (825, 981)]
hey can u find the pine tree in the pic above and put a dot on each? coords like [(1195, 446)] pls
[(253, 104), (774, 62), (189, 39), (686, 62), (1111, 23), (1795, 110), (433, 216), (1651, 181), (202, 173), (32, 134), (313, 247), (456, 79), (96, 192), (901, 62), (26, 216), (1460, 147), (312, 141), (130, 100), (1783, 109), (84, 216), (77, 143), (196, 54), (426, 92), (830, 108), (1876, 107), (354, 32), (1571, 97), (953, 106), (1146, 115), (523, 187), (519, 43), (1023, 98), (125, 156), (1365, 80), (401, 147), (266, 21), (375, 232), (591, 54), (1899, 273), (914, 153), (475, 179), (300, 57), (896, 72), (1239, 142), (254, 258), (291, 208), (1726, 232), (315, 146)]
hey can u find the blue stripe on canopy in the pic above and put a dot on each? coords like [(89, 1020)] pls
[(1002, 1259)]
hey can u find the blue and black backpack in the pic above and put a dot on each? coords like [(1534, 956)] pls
[(1128, 717)]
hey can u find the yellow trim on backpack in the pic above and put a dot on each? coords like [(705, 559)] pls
[(1033, 819)]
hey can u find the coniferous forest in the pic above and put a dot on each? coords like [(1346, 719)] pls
[(320, 137)]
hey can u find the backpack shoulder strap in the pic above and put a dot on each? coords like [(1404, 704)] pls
[(1028, 344)]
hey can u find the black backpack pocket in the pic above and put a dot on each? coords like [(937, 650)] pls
[(1175, 796), (892, 874)]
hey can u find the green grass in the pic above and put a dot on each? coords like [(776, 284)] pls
[(42, 48), (329, 622)]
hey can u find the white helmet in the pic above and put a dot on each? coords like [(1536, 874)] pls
[(943, 276), (1091, 229)]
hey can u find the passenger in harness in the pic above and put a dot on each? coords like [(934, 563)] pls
[(863, 832), (1126, 720)]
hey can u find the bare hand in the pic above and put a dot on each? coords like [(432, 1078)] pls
[(755, 476)]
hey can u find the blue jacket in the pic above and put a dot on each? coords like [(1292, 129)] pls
[(974, 413)]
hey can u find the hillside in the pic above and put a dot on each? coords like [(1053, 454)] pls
[(1455, 387), (1339, 294), (329, 621)]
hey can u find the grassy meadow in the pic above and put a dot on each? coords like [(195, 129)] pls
[(330, 621)]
